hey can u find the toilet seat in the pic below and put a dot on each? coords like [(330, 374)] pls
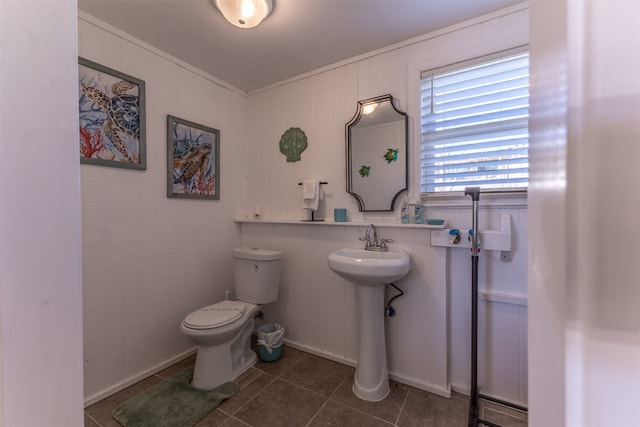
[(216, 315)]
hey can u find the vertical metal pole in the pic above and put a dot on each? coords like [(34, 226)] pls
[(474, 192)]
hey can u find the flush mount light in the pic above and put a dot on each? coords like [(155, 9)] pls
[(244, 13)]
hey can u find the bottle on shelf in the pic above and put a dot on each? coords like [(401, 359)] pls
[(404, 213), (418, 213)]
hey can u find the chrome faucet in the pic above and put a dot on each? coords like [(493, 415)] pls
[(367, 235), (374, 245)]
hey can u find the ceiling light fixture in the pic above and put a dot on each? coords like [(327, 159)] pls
[(244, 13)]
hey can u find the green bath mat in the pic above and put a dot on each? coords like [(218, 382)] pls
[(172, 403)]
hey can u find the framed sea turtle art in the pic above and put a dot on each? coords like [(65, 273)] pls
[(193, 155), (112, 117)]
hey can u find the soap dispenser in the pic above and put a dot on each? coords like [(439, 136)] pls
[(404, 213), (418, 213)]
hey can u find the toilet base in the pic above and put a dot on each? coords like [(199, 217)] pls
[(218, 364)]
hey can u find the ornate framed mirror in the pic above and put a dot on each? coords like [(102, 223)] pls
[(377, 149)]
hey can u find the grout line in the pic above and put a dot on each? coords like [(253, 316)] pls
[(404, 402), (329, 399), (304, 355), (317, 412), (238, 420), (86, 414), (252, 397), (302, 387)]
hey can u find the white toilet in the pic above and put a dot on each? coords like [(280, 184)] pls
[(223, 330)]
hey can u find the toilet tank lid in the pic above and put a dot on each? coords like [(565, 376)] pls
[(257, 254)]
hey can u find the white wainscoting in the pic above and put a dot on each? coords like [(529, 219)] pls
[(502, 345), (502, 309), (318, 308), (428, 342)]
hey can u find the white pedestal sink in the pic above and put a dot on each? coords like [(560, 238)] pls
[(369, 271)]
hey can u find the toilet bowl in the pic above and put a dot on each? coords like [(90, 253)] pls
[(222, 331)]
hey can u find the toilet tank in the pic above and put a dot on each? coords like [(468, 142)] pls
[(257, 274)]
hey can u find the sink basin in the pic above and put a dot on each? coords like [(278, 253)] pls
[(370, 267)]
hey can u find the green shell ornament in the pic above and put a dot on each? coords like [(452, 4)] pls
[(364, 171), (391, 155), (292, 143)]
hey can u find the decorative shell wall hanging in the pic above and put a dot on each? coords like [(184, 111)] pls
[(292, 143)]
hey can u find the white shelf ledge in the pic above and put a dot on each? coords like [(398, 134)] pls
[(329, 222)]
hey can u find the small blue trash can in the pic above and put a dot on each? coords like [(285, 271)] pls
[(270, 337)]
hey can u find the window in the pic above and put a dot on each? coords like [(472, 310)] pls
[(474, 125)]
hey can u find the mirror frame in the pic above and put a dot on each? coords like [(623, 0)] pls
[(353, 122)]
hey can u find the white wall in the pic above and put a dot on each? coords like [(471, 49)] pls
[(40, 283), (149, 260), (428, 341), (584, 337)]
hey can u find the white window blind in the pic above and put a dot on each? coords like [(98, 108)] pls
[(474, 125)]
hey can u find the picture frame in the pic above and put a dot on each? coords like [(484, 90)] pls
[(112, 117), (193, 156)]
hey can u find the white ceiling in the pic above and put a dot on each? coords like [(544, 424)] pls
[(298, 37)]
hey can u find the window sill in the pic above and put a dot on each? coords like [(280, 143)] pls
[(487, 200)]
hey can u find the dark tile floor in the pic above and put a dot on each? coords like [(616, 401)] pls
[(301, 389)]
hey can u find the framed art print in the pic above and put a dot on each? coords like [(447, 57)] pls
[(112, 117), (193, 153)]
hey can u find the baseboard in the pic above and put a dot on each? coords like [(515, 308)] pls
[(321, 353), (464, 389), (431, 388), (141, 376)]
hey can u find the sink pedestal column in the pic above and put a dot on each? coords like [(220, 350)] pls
[(368, 271), (371, 381)]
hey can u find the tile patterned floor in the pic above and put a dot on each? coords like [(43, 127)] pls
[(301, 389)]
